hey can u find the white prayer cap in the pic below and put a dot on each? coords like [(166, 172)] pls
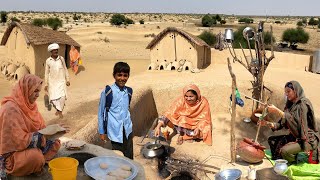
[(53, 47)]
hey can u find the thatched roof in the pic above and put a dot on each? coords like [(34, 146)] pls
[(185, 34), (38, 35)]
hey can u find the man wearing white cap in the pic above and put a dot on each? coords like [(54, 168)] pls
[(56, 79)]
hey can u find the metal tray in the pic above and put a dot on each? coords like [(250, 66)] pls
[(92, 166)]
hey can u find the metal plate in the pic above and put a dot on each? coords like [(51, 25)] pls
[(92, 166)]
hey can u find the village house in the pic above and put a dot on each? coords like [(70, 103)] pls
[(26, 43), (174, 45)]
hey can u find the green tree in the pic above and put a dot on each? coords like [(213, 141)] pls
[(4, 17), (218, 18), (208, 37), (294, 36), (39, 22), (208, 21), (117, 19), (54, 23), (223, 21), (141, 21)]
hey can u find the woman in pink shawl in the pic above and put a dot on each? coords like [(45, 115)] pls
[(23, 150), (190, 116)]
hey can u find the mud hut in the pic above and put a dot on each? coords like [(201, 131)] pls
[(175, 45), (28, 44)]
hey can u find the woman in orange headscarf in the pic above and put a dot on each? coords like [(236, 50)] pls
[(189, 115), (74, 58), (23, 150)]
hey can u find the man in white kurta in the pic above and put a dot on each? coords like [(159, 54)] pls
[(56, 79)]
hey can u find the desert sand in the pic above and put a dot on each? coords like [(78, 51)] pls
[(103, 45)]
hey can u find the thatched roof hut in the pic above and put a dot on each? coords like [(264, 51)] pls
[(28, 44), (173, 45), (38, 36)]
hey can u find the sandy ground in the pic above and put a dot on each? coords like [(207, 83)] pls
[(103, 45)]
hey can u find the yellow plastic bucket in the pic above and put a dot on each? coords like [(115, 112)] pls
[(64, 168)]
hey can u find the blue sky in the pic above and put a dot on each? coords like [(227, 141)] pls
[(237, 7)]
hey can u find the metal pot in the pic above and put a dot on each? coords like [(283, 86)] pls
[(228, 174), (152, 150), (281, 166)]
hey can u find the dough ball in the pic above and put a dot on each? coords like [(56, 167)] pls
[(125, 167), (103, 165)]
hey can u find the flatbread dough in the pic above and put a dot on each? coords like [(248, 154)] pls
[(103, 165), (52, 129), (75, 145), (125, 167), (120, 173)]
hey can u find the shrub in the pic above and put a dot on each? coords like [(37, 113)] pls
[(117, 19), (312, 22), (14, 19), (4, 16), (299, 23), (304, 21), (319, 25), (245, 20), (294, 36), (75, 17), (223, 21), (208, 37), (39, 22), (54, 23), (141, 21), (128, 21), (267, 37), (277, 22)]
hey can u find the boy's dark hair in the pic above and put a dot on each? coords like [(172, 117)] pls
[(120, 67)]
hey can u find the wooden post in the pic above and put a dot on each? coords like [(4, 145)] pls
[(233, 114)]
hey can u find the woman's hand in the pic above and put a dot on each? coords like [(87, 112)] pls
[(103, 137), (157, 130), (196, 132), (66, 127), (266, 123)]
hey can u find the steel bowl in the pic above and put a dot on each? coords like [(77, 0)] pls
[(229, 174)]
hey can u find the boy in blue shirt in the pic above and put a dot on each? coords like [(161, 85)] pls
[(114, 120)]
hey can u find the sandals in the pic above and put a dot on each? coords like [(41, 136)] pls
[(180, 140)]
